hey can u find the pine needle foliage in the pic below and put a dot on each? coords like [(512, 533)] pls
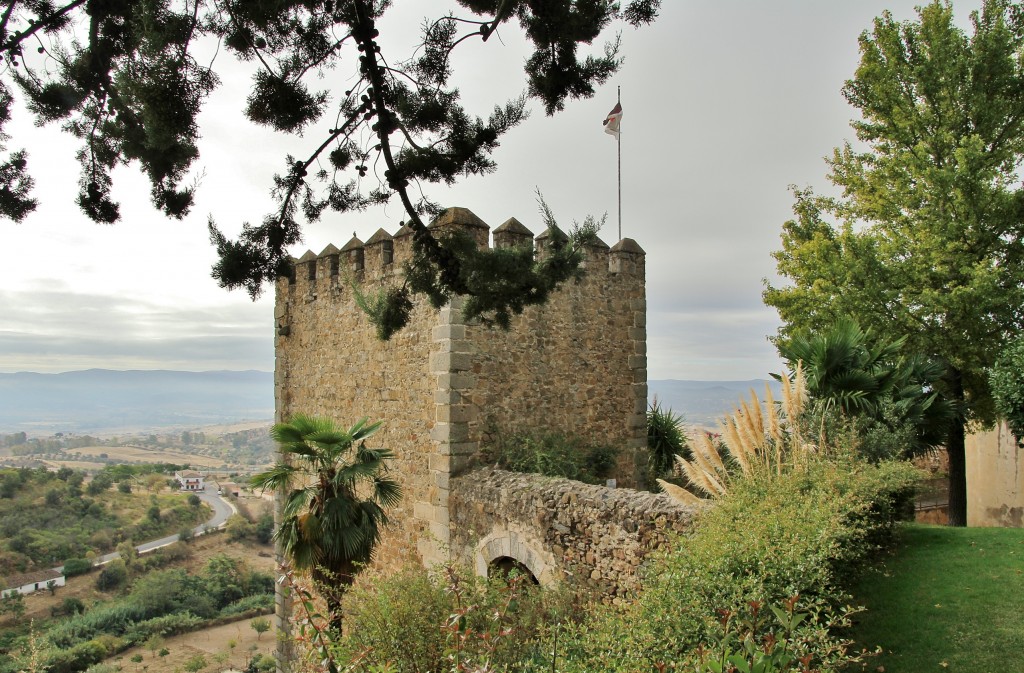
[(132, 86)]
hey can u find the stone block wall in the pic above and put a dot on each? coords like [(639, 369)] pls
[(596, 536)]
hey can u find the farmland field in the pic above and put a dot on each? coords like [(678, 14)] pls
[(135, 454)]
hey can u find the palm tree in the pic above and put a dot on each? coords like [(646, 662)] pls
[(335, 492), (846, 366), (851, 370)]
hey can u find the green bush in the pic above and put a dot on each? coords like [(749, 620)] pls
[(112, 619), (1006, 379), (805, 533), (259, 602), (261, 663), (77, 566), (69, 606), (415, 618), (77, 658), (167, 625), (113, 576), (553, 455)]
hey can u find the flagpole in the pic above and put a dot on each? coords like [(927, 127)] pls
[(618, 142)]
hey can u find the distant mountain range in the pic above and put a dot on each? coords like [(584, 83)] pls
[(103, 400), (703, 403), (97, 400)]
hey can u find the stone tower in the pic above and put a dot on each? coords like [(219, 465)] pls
[(576, 365)]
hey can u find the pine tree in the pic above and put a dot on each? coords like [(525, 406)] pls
[(131, 89)]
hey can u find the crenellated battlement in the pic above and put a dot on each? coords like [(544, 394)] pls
[(382, 257)]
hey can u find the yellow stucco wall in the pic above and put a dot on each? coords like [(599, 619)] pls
[(995, 479)]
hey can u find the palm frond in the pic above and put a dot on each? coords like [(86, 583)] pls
[(277, 478), (361, 430), (387, 492)]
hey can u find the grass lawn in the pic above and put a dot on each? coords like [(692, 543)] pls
[(947, 599)]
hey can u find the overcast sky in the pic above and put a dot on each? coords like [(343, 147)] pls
[(726, 103)]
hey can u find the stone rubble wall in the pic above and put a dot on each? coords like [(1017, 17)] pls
[(563, 530)]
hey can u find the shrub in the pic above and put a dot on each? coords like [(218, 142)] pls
[(239, 529), (261, 663), (265, 528), (195, 664), (257, 603), (112, 619), (69, 606), (666, 439), (803, 533), (77, 658), (113, 576), (553, 455), (421, 621), (77, 566)]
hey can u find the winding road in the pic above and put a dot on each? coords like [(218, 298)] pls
[(222, 509)]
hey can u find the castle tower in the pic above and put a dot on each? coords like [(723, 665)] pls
[(575, 365)]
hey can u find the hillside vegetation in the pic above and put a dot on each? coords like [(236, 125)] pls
[(49, 517), (140, 603)]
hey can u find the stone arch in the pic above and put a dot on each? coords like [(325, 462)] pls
[(502, 543)]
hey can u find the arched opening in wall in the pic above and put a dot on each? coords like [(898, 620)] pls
[(503, 566)]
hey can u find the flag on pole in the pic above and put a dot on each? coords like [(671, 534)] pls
[(611, 122)]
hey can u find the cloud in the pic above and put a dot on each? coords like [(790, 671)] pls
[(711, 344), (58, 330)]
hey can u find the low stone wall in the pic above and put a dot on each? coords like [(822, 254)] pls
[(562, 529)]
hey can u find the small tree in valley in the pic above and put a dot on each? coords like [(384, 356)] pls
[(260, 625)]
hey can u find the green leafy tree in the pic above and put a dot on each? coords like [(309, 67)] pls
[(131, 89), (925, 240), (12, 603), (329, 523), (154, 644), (1007, 381)]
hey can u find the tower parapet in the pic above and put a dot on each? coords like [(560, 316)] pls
[(512, 234)]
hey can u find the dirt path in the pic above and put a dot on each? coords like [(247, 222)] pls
[(214, 644)]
